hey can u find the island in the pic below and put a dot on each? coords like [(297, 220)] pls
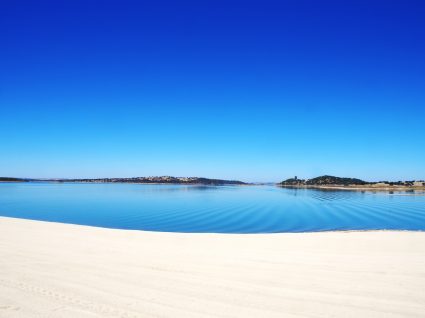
[(152, 180), (332, 182)]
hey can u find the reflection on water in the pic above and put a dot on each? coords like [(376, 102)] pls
[(222, 209)]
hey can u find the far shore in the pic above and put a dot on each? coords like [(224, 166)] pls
[(62, 270), (324, 187), (144, 183), (356, 187)]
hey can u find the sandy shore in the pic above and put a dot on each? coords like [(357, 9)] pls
[(59, 270)]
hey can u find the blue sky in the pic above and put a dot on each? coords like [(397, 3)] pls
[(250, 90)]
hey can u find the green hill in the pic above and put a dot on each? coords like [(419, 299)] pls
[(323, 180)]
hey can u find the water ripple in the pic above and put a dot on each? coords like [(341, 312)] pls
[(257, 209)]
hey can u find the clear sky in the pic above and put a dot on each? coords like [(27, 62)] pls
[(249, 90)]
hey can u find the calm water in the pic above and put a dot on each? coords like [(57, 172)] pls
[(227, 209)]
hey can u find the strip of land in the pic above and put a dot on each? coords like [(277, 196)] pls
[(60, 270), (142, 180), (337, 183), (370, 188)]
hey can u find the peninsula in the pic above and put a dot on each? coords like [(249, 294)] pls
[(157, 180), (332, 182)]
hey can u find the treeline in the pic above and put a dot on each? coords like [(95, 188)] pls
[(8, 179), (324, 180)]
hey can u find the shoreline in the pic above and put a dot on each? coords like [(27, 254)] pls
[(354, 188), (215, 233), (147, 183), (56, 269), (319, 187)]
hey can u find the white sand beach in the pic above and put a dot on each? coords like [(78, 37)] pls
[(59, 270)]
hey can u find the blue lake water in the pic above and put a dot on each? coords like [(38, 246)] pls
[(223, 209)]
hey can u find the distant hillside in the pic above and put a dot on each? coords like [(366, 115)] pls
[(323, 180), (164, 179)]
